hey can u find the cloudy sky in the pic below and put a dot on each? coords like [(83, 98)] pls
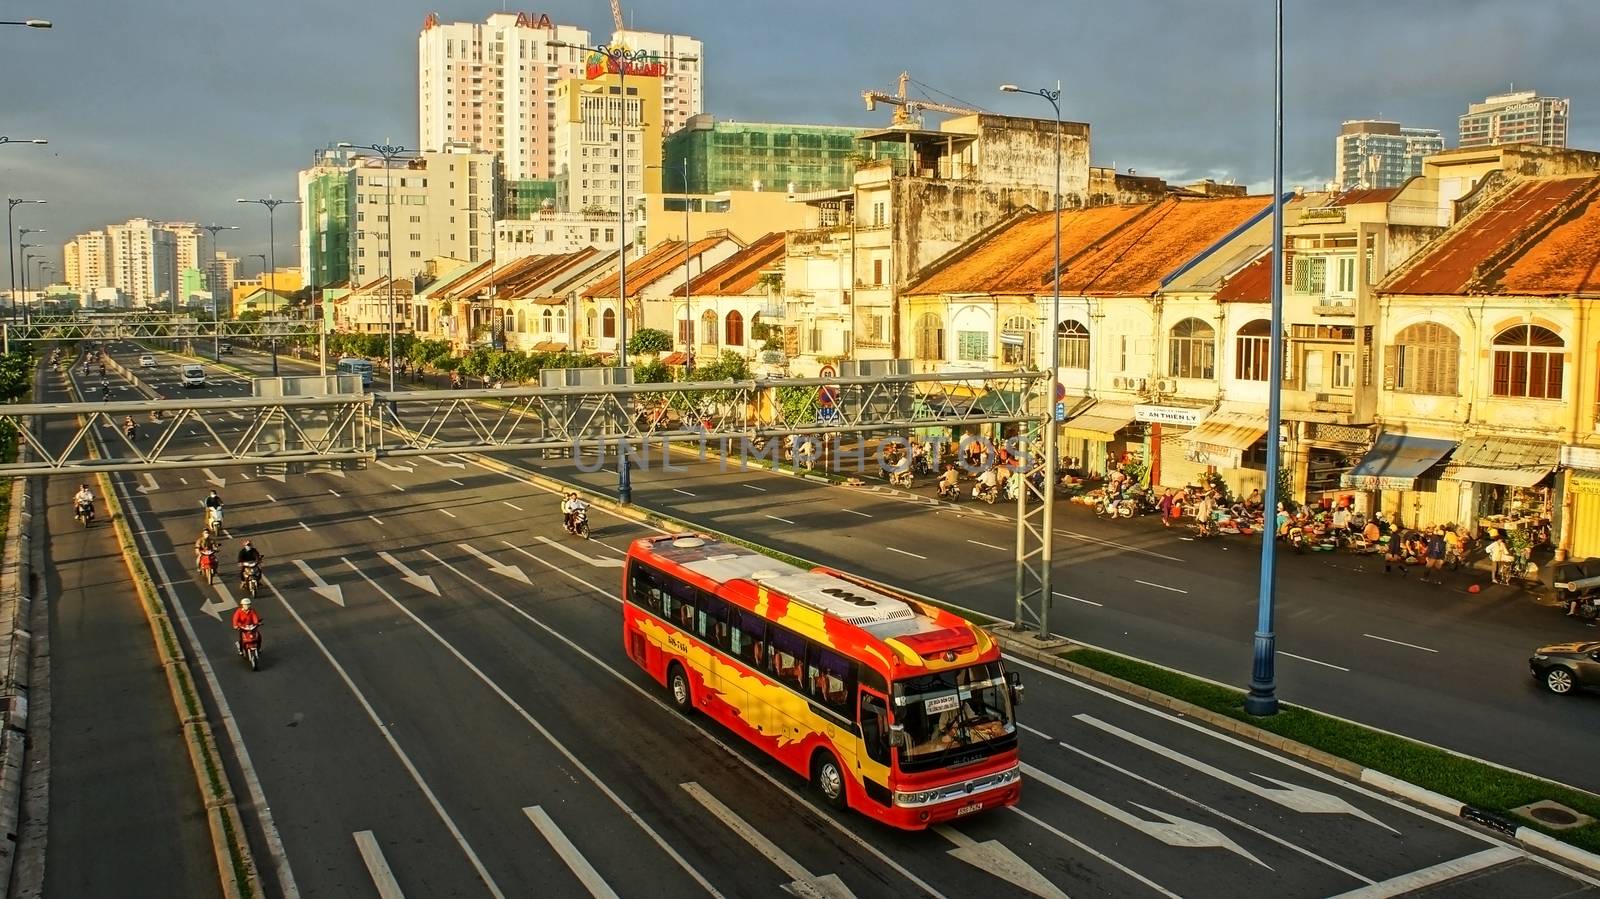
[(172, 108)]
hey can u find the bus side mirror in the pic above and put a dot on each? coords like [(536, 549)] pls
[(897, 736), (1014, 681)]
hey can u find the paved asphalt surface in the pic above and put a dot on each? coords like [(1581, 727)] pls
[(444, 709)]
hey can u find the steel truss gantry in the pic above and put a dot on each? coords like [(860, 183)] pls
[(41, 328)]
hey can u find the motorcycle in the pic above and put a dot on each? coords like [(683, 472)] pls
[(950, 492), (577, 524), (900, 479), (921, 467), (208, 564), (214, 521), (986, 493), (84, 513), (250, 578), (1297, 539), (250, 641)]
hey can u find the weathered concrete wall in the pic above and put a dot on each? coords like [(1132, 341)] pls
[(1015, 151)]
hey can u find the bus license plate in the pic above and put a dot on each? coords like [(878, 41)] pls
[(968, 809)]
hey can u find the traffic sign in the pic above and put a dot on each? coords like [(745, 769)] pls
[(827, 371), (1061, 392), (1061, 412), (827, 396)]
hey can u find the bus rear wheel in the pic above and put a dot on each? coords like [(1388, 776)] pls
[(678, 691), (828, 777)]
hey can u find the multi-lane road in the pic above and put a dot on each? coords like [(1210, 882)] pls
[(445, 709)]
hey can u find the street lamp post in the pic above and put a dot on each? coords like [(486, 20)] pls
[(22, 234), (1051, 450), (272, 249), (389, 152), (30, 23), (44, 265), (11, 252), (619, 59), (216, 308)]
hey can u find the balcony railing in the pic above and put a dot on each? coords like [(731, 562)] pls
[(1341, 306)]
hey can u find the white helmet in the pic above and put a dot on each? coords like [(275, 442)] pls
[(244, 602)]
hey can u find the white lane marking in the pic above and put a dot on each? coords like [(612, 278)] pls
[(303, 526), (270, 498), (592, 560), (1122, 546), (333, 491), (1223, 815), (995, 858), (904, 553), (654, 698), (576, 863), (1416, 880), (394, 744), (754, 487), (1400, 643), (989, 545), (448, 512), (184, 480), (421, 581), (1159, 586), (398, 487), (1036, 732), (684, 492), (1074, 841), (1291, 796), (1314, 661), (511, 504), (456, 482), (376, 519), (776, 518), (1172, 830), (377, 866), (854, 512), (571, 757), (331, 592), (510, 571), (1087, 602), (804, 883)]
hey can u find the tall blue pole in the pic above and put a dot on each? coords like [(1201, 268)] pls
[(1263, 696)]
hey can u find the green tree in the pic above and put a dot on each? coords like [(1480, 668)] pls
[(649, 340), (653, 372)]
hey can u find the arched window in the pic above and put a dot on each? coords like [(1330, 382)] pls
[(733, 329), (561, 320), (1016, 341), (1192, 350), (547, 320), (1073, 337), (589, 317), (685, 328), (708, 327), (1529, 362), (608, 323), (930, 337), (1253, 351), (522, 322), (1425, 358)]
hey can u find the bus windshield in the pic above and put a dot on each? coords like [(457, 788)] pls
[(953, 710)]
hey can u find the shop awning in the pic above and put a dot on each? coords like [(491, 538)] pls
[(1228, 430), (1503, 460), (1396, 461), (1100, 421)]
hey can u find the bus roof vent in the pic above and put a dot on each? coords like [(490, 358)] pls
[(688, 543), (765, 574), (851, 602)]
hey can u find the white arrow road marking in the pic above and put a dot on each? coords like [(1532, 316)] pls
[(510, 571), (992, 856), (377, 866), (277, 477), (421, 581), (596, 561), (408, 469), (580, 867), (1290, 796), (149, 485), (237, 416), (331, 592), (803, 883), (443, 464), (215, 609), (1176, 831), (1450, 870), (511, 504), (213, 480)]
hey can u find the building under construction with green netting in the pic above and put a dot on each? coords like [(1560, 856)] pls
[(526, 198), (327, 203), (763, 156)]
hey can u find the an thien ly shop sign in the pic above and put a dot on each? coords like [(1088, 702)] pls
[(620, 61)]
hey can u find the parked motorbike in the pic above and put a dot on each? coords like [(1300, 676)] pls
[(578, 524), (250, 639)]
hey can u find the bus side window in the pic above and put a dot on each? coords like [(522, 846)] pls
[(711, 621), (830, 679), (642, 589), (875, 727), (685, 596), (788, 657), (749, 637)]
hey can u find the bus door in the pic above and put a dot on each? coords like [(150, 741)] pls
[(872, 755)]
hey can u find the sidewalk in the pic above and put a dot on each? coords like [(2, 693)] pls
[(125, 815)]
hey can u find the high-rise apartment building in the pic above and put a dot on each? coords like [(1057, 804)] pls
[(186, 243), (144, 261), (492, 85), (1522, 117), (444, 205), (88, 258), (220, 274), (1375, 154), (608, 133)]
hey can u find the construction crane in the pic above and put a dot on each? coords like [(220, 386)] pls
[(908, 111), (616, 14)]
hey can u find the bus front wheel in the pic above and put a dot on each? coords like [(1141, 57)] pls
[(828, 778), (678, 689)]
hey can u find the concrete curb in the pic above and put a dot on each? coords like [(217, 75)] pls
[(17, 581), (236, 868)]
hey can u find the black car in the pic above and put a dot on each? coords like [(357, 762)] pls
[(1563, 666)]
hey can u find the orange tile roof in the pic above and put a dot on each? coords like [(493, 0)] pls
[(734, 276), (1135, 260), (652, 266), (1357, 196), (1564, 261), (1019, 258), (1454, 263), (1251, 284)]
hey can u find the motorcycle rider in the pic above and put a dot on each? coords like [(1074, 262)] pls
[(213, 506), (129, 428), (988, 482), (243, 617), (571, 505), (948, 480), (248, 555), (83, 499), (202, 545)]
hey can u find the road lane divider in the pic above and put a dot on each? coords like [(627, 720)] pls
[(574, 859), (1401, 643), (802, 882), (377, 866)]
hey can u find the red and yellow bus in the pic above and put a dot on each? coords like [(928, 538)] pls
[(889, 705)]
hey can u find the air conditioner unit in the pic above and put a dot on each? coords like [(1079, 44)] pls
[(1119, 383), (1166, 385)]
